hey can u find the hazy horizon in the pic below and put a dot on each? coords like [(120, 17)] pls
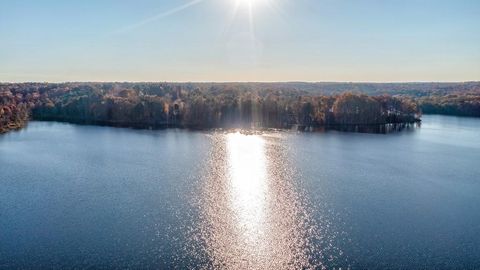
[(246, 82), (240, 41)]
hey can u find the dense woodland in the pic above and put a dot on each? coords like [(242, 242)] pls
[(154, 105), (14, 111), (461, 104), (213, 105)]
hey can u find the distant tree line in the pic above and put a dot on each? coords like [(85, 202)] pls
[(145, 105), (461, 104)]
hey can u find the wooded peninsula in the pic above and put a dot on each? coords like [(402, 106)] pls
[(231, 105)]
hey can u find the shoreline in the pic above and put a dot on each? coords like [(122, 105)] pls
[(354, 128), (15, 126)]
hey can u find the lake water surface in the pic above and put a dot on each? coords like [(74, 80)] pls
[(97, 197)]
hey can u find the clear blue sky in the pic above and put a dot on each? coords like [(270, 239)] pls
[(239, 40)]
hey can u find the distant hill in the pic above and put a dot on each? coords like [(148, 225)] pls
[(332, 88), (418, 89)]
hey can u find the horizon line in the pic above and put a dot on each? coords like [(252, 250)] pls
[(243, 82)]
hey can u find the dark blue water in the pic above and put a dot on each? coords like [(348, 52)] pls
[(97, 197)]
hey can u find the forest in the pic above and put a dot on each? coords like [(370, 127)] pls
[(157, 105), (459, 104), (229, 105), (14, 111)]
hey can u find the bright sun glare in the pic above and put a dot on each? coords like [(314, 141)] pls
[(249, 3), (247, 162)]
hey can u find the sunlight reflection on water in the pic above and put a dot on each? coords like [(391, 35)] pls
[(252, 213), (248, 187)]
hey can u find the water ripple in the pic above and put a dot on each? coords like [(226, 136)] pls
[(252, 212)]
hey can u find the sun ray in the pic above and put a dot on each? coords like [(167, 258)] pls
[(232, 18), (159, 16), (251, 23)]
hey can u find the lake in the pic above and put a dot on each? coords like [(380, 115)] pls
[(75, 196)]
